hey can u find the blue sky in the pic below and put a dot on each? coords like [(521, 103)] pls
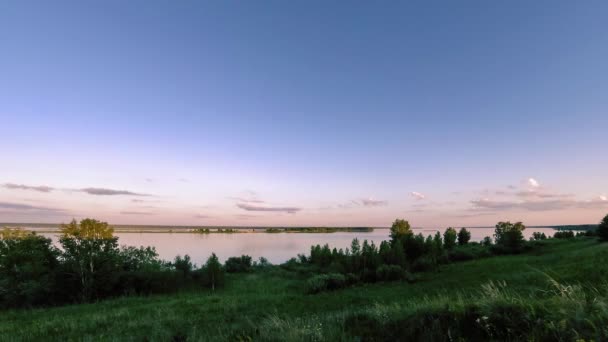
[(304, 112)]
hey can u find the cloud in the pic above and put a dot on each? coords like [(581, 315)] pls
[(137, 213), (245, 216), (533, 183), (199, 216), (27, 207), (184, 180), (540, 205), (246, 200), (251, 207), (365, 202), (603, 198), (417, 195), (109, 192), (40, 188), (373, 203), (512, 187), (541, 194)]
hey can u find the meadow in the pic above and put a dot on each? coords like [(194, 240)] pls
[(555, 291)]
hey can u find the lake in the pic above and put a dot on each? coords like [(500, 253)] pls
[(276, 247)]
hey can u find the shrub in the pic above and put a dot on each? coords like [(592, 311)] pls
[(424, 263), (238, 264), (390, 273), (325, 282), (464, 236)]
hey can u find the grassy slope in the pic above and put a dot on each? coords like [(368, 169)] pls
[(273, 303)]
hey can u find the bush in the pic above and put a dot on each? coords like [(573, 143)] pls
[(238, 264), (390, 273), (424, 263), (564, 234), (325, 282)]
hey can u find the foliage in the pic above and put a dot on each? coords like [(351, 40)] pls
[(538, 236), (325, 282), (400, 229), (509, 236), (564, 234), (602, 229), (28, 269), (238, 264), (183, 265), (449, 238), (90, 255), (213, 273), (464, 236)]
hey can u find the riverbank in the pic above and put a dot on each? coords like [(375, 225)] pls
[(555, 289)]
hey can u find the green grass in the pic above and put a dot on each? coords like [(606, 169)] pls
[(272, 305)]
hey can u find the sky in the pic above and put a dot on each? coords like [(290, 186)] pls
[(296, 113)]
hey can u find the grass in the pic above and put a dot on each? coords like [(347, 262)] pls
[(559, 288)]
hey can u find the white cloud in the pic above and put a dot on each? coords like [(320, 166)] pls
[(417, 195), (603, 198), (533, 183)]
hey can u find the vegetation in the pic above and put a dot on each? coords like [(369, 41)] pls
[(602, 229), (409, 288), (464, 236), (319, 229), (217, 230)]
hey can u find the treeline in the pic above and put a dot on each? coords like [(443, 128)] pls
[(407, 253), (90, 266)]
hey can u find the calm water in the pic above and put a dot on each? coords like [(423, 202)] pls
[(277, 248)]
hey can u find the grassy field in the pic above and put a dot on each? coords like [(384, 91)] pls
[(558, 289)]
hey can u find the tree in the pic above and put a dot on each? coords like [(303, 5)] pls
[(449, 238), (183, 265), (90, 252), (509, 235), (602, 229), (28, 269), (238, 264), (213, 273), (399, 229), (463, 236)]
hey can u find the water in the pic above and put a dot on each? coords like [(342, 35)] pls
[(277, 248)]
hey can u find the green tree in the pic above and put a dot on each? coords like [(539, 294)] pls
[(28, 269), (449, 238), (213, 273), (90, 252), (399, 229), (183, 265), (602, 229), (509, 235), (464, 236)]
